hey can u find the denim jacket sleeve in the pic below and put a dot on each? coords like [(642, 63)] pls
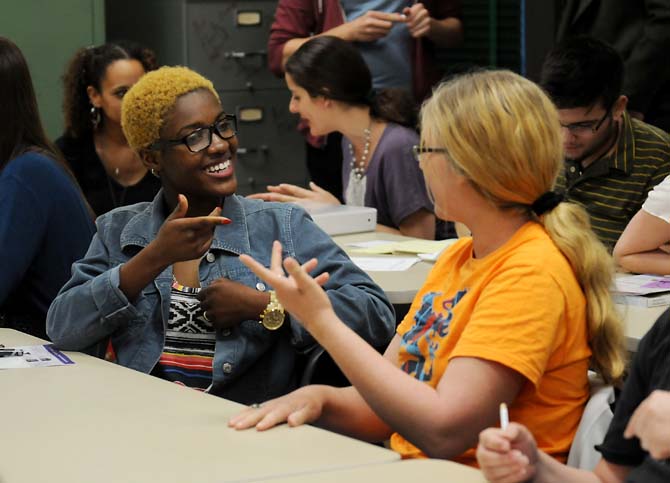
[(357, 300), (90, 306)]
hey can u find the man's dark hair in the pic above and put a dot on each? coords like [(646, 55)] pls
[(581, 71)]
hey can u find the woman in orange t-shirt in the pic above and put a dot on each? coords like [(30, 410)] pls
[(516, 313)]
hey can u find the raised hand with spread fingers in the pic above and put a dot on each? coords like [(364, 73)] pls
[(180, 238), (299, 293)]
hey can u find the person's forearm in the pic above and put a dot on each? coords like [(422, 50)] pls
[(447, 32), (387, 229), (656, 262), (346, 412), (419, 225), (550, 470), (422, 419), (341, 31), (291, 46), (359, 302), (256, 305), (419, 231), (140, 271)]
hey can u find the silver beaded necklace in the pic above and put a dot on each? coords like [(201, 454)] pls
[(359, 168)]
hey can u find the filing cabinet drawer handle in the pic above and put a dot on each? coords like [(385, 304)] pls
[(241, 55), (262, 149)]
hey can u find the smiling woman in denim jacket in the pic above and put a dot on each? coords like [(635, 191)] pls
[(162, 281)]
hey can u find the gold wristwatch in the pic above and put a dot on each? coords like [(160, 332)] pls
[(273, 316)]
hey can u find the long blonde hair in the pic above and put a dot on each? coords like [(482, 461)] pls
[(502, 132)]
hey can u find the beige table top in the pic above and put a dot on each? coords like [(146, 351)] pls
[(400, 287), (637, 322), (96, 421), (400, 472)]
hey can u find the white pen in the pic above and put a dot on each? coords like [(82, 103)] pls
[(504, 416)]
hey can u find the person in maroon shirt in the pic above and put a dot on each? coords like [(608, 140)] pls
[(431, 23)]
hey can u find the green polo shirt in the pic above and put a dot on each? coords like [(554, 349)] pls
[(613, 188)]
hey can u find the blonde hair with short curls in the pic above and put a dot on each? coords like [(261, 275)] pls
[(502, 132), (146, 103)]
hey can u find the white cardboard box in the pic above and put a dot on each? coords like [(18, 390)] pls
[(341, 219)]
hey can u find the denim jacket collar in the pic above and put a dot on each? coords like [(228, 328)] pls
[(143, 227)]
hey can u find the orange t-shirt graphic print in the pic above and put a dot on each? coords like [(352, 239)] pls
[(426, 335)]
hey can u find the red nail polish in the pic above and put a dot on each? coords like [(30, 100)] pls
[(226, 221)]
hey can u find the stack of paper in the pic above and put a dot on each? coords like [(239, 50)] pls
[(645, 290), (384, 264), (425, 249)]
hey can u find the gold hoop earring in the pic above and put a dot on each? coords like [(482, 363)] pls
[(155, 173)]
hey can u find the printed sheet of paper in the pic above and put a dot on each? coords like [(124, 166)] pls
[(424, 246), (384, 264), (427, 250), (641, 284), (35, 356), (373, 247)]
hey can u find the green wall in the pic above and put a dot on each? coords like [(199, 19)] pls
[(48, 32)]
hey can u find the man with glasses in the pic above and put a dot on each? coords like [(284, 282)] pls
[(640, 31), (611, 160)]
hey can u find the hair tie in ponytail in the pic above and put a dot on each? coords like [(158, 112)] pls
[(546, 202)]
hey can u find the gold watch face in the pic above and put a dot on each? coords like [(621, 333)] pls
[(273, 319)]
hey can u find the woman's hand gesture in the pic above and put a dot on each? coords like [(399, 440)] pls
[(299, 293), (181, 238), (291, 193), (177, 240)]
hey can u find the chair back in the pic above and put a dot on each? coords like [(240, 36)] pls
[(593, 425)]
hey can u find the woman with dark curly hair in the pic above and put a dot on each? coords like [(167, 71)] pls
[(110, 173)]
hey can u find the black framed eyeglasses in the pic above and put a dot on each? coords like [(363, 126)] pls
[(585, 127), (419, 150), (200, 139)]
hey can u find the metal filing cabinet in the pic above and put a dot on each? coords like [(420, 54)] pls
[(226, 41)]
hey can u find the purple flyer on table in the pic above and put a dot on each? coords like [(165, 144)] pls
[(661, 283)]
